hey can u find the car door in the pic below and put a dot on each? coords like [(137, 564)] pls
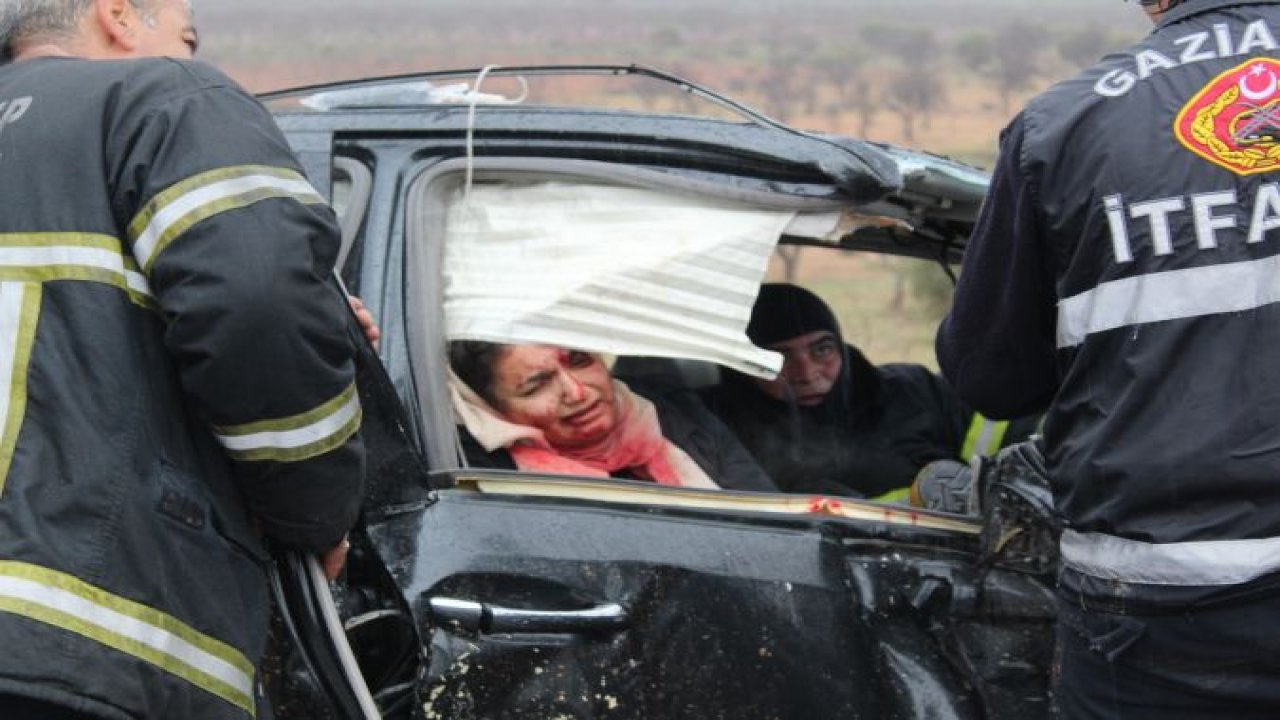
[(555, 598)]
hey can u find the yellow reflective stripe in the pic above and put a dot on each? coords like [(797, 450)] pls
[(298, 437), (984, 436), (19, 315), (902, 496), (176, 209), (66, 602), (51, 257), (92, 241)]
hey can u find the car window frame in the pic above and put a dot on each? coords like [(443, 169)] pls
[(424, 231), (352, 214)]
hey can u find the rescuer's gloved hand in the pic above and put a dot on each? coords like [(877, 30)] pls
[(945, 485)]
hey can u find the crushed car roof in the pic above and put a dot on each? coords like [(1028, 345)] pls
[(937, 196)]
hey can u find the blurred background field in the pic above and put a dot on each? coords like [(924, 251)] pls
[(939, 75)]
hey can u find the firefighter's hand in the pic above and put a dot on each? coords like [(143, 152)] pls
[(333, 560), (367, 323)]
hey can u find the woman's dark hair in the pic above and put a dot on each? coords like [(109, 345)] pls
[(473, 361)]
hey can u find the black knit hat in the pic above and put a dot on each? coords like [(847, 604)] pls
[(785, 311)]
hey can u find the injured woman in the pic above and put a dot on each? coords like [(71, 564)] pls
[(547, 409)]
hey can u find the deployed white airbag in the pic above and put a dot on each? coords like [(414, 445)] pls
[(609, 269)]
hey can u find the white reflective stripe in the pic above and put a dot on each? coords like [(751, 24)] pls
[(1210, 563), (11, 296), (984, 436), (137, 282), (298, 437), (987, 438), (19, 315), (74, 256), (986, 431), (130, 628), (1172, 295), (173, 213)]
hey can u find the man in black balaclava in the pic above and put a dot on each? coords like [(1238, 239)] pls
[(832, 422)]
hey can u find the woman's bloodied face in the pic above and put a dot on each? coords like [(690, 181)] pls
[(811, 365), (567, 394)]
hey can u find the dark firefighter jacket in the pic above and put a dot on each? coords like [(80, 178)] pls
[(1126, 268), (173, 361)]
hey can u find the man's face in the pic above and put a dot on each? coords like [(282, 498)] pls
[(166, 29), (811, 364)]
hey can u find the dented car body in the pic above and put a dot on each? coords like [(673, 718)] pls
[(475, 593)]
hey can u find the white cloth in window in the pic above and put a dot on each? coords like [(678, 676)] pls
[(609, 269)]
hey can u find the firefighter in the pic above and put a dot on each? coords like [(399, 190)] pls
[(1123, 274), (176, 375)]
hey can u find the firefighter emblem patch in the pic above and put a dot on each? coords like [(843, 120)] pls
[(1234, 121)]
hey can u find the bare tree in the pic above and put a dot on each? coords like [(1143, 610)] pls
[(915, 93), (847, 70), (1016, 55), (805, 80), (865, 102), (974, 51), (1011, 59), (778, 81), (916, 89)]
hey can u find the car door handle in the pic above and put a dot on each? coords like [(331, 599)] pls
[(488, 618)]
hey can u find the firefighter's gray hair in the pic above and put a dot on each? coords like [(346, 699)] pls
[(22, 20)]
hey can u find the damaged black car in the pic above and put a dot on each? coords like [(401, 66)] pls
[(470, 210)]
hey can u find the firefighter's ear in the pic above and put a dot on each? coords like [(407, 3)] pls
[(116, 22)]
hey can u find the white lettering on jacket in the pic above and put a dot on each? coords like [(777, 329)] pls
[(11, 111), (1211, 214), (1194, 48)]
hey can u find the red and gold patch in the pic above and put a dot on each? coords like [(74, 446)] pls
[(1234, 122)]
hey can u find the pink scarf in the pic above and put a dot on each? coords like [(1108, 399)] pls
[(635, 443)]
